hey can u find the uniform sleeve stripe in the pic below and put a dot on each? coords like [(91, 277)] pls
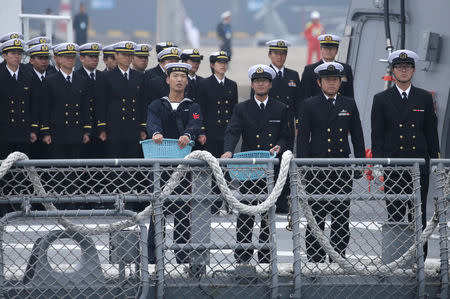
[(87, 127), (101, 124), (45, 128), (34, 125), (143, 124)]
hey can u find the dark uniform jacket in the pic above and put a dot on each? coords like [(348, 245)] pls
[(39, 88), (217, 103), (97, 100), (191, 91), (186, 120), (125, 109), (155, 72), (311, 88), (404, 130), (260, 129), (324, 128), (65, 108), (19, 105)]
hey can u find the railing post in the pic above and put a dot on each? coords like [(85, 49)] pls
[(272, 239), (295, 229), (418, 232), (443, 237), (159, 239), (201, 221), (26, 29)]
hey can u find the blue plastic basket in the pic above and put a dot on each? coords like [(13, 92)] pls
[(168, 149), (248, 173)]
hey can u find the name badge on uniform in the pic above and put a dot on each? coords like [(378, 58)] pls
[(274, 120), (344, 113), (418, 110), (344, 79), (291, 83)]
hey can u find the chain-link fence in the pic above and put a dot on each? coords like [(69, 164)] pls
[(442, 174), (224, 254), (357, 227), (95, 246), (42, 259)]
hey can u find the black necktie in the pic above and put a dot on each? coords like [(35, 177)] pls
[(14, 77), (280, 74), (221, 83), (261, 105), (68, 79), (93, 76), (331, 102), (404, 96), (125, 76), (42, 78)]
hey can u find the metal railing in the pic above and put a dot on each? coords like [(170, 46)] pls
[(180, 245), (368, 238), (442, 174), (48, 21)]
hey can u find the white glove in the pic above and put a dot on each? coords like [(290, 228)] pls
[(433, 168)]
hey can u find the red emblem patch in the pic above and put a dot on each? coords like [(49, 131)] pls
[(195, 116)]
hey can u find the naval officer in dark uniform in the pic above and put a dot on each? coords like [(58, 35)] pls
[(329, 45), (177, 117), (159, 70), (108, 58), (89, 57), (285, 88), (140, 58), (18, 102), (404, 125), (326, 121), (193, 57), (217, 96), (66, 123), (18, 114), (39, 60), (263, 123), (123, 119)]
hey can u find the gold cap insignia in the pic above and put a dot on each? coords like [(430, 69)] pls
[(403, 55), (169, 44), (328, 38), (195, 51), (70, 47), (17, 42), (44, 48), (144, 48), (259, 70), (223, 53), (174, 51), (42, 40), (94, 47), (331, 68), (14, 35), (281, 43), (129, 45)]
